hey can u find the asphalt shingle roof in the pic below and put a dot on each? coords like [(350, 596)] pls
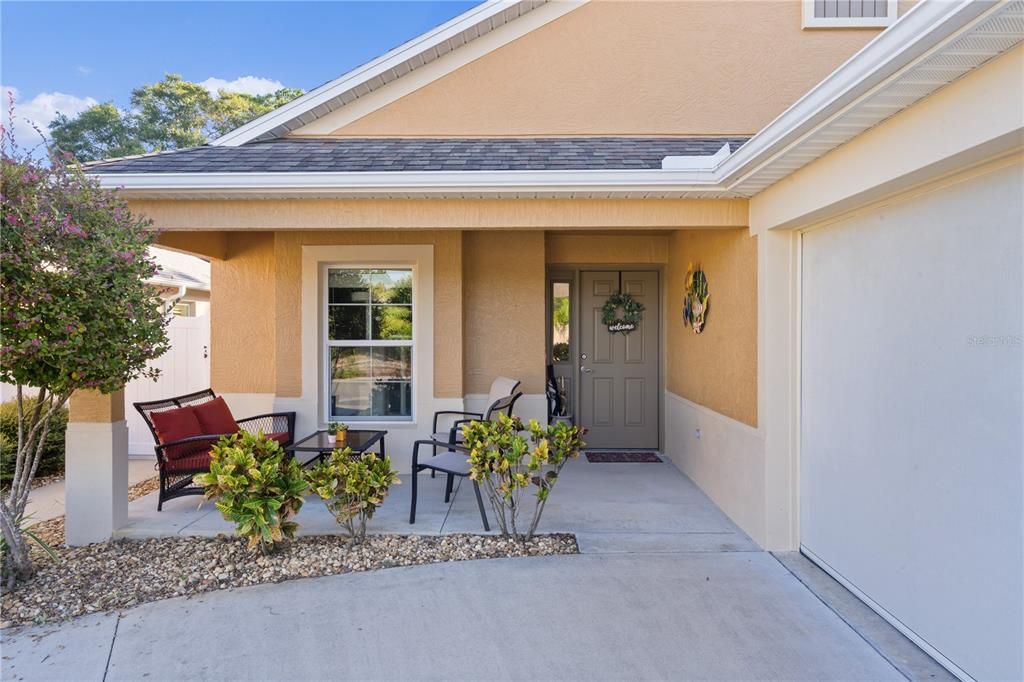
[(418, 154)]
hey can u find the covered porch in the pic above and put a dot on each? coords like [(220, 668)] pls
[(610, 507), (485, 277)]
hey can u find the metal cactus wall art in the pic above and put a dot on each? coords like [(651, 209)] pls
[(695, 302)]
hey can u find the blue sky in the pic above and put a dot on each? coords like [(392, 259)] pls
[(67, 55)]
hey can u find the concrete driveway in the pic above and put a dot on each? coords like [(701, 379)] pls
[(693, 615), (666, 587)]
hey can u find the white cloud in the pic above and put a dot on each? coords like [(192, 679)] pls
[(40, 110), (84, 70), (250, 85)]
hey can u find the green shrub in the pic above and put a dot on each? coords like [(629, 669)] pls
[(52, 461), (353, 488), (507, 465), (259, 487)]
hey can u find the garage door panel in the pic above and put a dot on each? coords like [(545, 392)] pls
[(911, 444)]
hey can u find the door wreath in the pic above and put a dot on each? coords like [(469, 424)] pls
[(632, 313)]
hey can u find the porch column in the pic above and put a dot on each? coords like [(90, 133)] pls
[(778, 384), (95, 467)]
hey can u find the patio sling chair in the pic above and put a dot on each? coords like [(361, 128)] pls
[(501, 387), (454, 461), (187, 426)]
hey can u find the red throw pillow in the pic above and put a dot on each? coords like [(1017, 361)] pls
[(172, 425), (215, 417)]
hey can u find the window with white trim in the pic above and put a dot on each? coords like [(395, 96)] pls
[(848, 13), (369, 337)]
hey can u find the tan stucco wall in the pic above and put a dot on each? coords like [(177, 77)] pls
[(597, 249), (242, 309), (256, 308), (196, 242), (96, 407), (438, 214), (503, 297), (447, 300), (626, 68), (718, 367)]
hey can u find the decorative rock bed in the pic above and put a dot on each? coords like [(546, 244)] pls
[(121, 574), (52, 532)]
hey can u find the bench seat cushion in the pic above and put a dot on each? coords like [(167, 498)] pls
[(196, 463)]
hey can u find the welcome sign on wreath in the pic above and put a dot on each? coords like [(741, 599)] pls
[(632, 313)]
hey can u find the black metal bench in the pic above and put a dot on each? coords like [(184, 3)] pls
[(176, 472)]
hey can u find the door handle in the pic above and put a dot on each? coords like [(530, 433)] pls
[(586, 370)]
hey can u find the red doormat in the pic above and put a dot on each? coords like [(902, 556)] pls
[(601, 457)]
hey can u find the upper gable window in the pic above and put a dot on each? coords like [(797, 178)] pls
[(848, 13)]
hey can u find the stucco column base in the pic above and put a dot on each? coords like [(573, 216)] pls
[(95, 468)]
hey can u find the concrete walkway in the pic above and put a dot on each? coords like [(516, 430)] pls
[(694, 615), (47, 501)]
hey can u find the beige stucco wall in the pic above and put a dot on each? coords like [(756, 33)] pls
[(625, 68), (198, 243), (503, 297), (96, 407), (718, 367), (447, 300), (256, 308), (243, 305), (612, 249), (435, 214)]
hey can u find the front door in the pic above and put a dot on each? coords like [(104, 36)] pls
[(619, 373)]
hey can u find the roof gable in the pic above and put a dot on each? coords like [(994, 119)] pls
[(616, 69), (470, 35)]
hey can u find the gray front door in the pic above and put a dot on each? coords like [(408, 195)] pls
[(619, 373)]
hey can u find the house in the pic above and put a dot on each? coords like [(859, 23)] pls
[(387, 244)]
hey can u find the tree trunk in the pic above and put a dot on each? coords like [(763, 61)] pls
[(32, 434), (18, 561)]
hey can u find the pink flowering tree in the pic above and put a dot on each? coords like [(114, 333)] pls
[(75, 310)]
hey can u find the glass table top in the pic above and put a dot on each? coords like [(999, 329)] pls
[(359, 441)]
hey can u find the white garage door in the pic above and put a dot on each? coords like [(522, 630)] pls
[(911, 415)]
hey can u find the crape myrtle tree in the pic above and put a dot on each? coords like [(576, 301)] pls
[(75, 310)]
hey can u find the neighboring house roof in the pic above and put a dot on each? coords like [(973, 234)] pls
[(932, 45), (412, 58), (181, 272), (179, 278), (417, 154)]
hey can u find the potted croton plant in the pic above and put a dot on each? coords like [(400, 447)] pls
[(337, 433)]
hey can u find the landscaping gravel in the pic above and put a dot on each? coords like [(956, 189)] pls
[(52, 532), (121, 574)]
